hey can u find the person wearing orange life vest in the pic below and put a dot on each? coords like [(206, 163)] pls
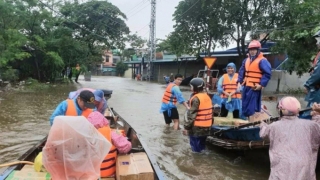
[(171, 96), (199, 117), (254, 75), (227, 87), (120, 144), (99, 100), (83, 105), (312, 85)]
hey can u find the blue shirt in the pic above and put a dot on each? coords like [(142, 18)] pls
[(104, 106), (175, 93), (62, 109)]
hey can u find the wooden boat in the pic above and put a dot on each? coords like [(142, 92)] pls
[(239, 139), (137, 146), (242, 139)]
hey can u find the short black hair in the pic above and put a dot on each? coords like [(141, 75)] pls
[(177, 76)]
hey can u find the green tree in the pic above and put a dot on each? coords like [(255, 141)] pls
[(121, 68), (136, 41), (198, 26), (294, 34)]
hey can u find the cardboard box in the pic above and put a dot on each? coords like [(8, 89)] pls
[(25, 175), (135, 166), (108, 178), (28, 173)]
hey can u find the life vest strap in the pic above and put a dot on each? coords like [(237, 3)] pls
[(203, 119), (112, 165), (110, 159)]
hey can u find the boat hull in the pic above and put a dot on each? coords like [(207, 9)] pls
[(138, 145)]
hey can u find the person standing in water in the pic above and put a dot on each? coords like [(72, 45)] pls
[(171, 96), (199, 117)]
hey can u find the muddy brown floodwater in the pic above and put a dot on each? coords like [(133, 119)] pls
[(24, 121)]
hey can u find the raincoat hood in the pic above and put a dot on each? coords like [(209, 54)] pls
[(97, 119), (233, 66)]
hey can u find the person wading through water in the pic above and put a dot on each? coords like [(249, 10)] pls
[(199, 117), (171, 96)]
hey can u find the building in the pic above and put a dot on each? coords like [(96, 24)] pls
[(108, 64), (190, 65)]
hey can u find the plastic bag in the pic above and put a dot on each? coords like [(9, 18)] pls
[(74, 149), (38, 165)]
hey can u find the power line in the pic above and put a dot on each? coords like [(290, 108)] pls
[(131, 15), (143, 1)]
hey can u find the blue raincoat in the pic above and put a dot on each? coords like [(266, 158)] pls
[(251, 99), (235, 103), (312, 84)]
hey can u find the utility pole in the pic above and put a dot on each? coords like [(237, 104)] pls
[(152, 38)]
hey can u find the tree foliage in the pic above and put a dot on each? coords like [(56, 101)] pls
[(121, 68), (202, 25), (40, 39)]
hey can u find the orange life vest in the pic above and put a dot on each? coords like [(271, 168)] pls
[(230, 85), (108, 166), (72, 110), (204, 114), (253, 72), (168, 96)]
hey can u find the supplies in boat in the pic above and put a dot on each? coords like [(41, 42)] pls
[(130, 166), (134, 166), (224, 121), (28, 173)]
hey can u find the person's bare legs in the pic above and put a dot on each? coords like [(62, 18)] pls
[(176, 124)]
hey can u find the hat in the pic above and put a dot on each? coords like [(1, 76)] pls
[(290, 106), (88, 98), (98, 95)]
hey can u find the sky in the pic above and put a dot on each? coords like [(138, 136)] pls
[(138, 14)]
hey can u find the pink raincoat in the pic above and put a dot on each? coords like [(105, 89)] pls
[(294, 145), (74, 149), (119, 141)]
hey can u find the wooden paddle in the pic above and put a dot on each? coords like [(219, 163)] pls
[(272, 119), (15, 163)]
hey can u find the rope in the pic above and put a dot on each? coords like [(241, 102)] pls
[(15, 163)]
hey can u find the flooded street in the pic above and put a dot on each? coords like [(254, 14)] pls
[(24, 121)]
